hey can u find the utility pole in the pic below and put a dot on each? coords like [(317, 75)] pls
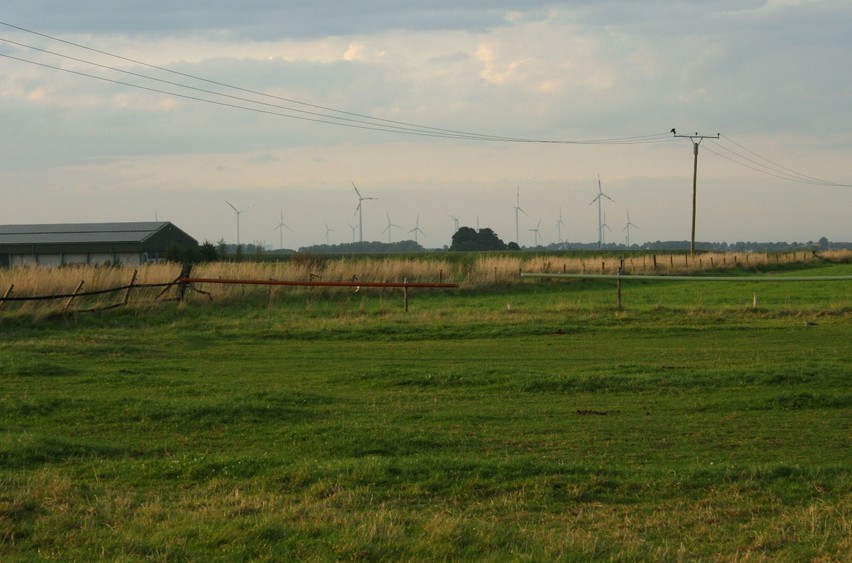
[(696, 140)]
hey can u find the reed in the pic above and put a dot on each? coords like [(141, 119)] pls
[(471, 272)]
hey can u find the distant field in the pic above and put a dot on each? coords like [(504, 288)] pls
[(526, 421)]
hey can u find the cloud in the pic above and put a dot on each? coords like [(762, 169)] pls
[(775, 76), (262, 159)]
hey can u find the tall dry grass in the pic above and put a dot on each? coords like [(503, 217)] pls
[(472, 272)]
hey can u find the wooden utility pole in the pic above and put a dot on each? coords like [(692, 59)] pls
[(696, 140)]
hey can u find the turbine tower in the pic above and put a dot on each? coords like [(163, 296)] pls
[(517, 211), (601, 223), (388, 228), (416, 229), (359, 211), (280, 227), (455, 222), (237, 212), (353, 227), (627, 228)]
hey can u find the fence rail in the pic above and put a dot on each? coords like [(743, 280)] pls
[(619, 277), (184, 281), (762, 278)]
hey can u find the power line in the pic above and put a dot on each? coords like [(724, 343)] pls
[(331, 116), (354, 120), (219, 103), (172, 83), (767, 166)]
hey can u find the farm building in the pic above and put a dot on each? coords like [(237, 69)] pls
[(89, 243)]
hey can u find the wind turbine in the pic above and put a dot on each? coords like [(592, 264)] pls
[(280, 227), (388, 228), (600, 221), (327, 230), (358, 210), (559, 224), (353, 227), (604, 226), (237, 211), (517, 210), (537, 235), (456, 222), (627, 228), (416, 228)]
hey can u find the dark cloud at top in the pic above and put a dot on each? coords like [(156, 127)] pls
[(259, 19)]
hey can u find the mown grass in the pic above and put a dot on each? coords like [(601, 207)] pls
[(535, 422)]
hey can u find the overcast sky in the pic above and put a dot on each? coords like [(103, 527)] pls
[(174, 107)]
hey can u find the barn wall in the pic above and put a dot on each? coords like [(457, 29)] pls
[(78, 258), (53, 260)]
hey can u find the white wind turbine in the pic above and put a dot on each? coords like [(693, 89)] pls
[(604, 226), (517, 211), (327, 231), (388, 228), (416, 228), (455, 222), (237, 212), (353, 227), (559, 224), (280, 227), (627, 228), (537, 238), (601, 224), (359, 211)]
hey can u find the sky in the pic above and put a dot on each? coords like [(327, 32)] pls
[(177, 110)]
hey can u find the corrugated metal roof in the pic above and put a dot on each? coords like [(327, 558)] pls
[(79, 232)]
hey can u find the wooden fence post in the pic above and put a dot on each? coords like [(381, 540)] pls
[(405, 295), (184, 273), (7, 294), (618, 290), (129, 287), (70, 299)]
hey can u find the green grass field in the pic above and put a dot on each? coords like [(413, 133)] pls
[(531, 423)]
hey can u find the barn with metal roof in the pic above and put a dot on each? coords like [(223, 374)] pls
[(89, 243)]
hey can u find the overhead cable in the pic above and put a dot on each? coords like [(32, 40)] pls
[(335, 118)]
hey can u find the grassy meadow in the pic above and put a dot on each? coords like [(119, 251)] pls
[(506, 420)]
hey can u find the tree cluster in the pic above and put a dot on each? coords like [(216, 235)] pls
[(469, 239)]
